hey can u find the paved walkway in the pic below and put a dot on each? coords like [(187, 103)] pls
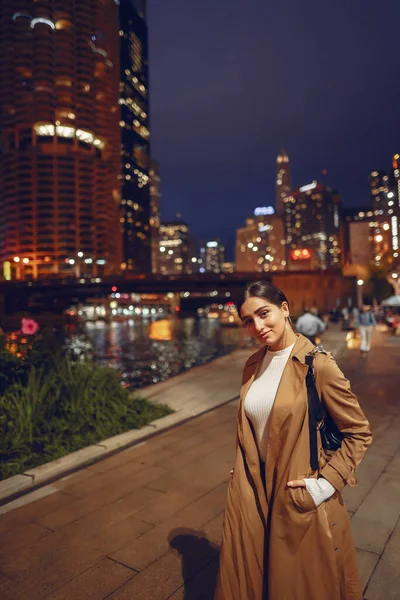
[(146, 523)]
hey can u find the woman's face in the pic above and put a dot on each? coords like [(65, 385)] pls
[(265, 321)]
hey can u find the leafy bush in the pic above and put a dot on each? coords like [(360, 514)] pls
[(53, 406)]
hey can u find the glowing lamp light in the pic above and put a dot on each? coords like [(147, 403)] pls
[(301, 254), (43, 22), (16, 259), (390, 195), (378, 238), (114, 288), (395, 275), (262, 211), (360, 282), (308, 187), (25, 261)]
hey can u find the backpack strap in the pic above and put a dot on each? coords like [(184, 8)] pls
[(315, 414)]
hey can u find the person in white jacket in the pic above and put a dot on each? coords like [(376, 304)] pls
[(367, 322)]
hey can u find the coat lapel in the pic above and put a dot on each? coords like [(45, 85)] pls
[(289, 390), (245, 433), (246, 439)]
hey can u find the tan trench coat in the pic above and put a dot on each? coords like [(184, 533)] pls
[(276, 544)]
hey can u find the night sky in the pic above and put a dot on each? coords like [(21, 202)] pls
[(234, 81)]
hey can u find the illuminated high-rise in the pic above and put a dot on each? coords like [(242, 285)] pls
[(174, 245), (283, 185), (260, 245), (135, 137), (380, 191), (155, 202), (59, 147), (313, 228), (396, 177), (212, 256)]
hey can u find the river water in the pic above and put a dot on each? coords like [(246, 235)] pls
[(149, 351)]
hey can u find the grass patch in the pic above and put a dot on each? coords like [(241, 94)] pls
[(49, 411)]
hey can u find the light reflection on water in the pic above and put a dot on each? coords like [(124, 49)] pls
[(146, 352)]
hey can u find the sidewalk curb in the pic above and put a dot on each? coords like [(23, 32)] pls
[(22, 484)]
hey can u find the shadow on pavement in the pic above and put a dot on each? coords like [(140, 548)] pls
[(199, 562)]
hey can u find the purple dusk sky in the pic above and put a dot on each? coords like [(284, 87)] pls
[(232, 82)]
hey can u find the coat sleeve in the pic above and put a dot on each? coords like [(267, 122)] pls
[(345, 410)]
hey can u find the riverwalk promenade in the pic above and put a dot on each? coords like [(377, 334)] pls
[(146, 522)]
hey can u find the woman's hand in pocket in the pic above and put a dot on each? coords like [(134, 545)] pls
[(296, 483)]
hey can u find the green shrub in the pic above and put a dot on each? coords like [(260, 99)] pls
[(49, 410)]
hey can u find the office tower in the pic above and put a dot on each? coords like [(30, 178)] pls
[(135, 136), (370, 236), (59, 147), (312, 228), (394, 202), (283, 184), (380, 191), (260, 245), (155, 203), (211, 256), (174, 245)]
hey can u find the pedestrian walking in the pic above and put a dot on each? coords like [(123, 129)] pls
[(310, 325), (345, 318), (367, 323), (286, 531)]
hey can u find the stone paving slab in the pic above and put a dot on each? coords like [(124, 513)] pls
[(385, 580), (98, 581), (147, 522)]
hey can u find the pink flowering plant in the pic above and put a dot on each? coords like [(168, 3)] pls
[(21, 342), (29, 326)]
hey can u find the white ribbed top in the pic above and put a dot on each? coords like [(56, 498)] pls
[(261, 396), (258, 405)]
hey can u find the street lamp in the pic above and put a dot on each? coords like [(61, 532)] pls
[(360, 283)]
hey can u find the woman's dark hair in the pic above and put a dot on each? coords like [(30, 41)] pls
[(265, 290)]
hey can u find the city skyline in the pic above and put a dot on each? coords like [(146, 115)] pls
[(216, 133)]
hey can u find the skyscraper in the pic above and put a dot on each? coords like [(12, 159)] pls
[(396, 177), (212, 256), (283, 185), (135, 137), (155, 202), (312, 227), (174, 248), (379, 187), (59, 158), (369, 236), (260, 245)]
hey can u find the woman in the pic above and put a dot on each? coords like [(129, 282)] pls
[(286, 530)]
